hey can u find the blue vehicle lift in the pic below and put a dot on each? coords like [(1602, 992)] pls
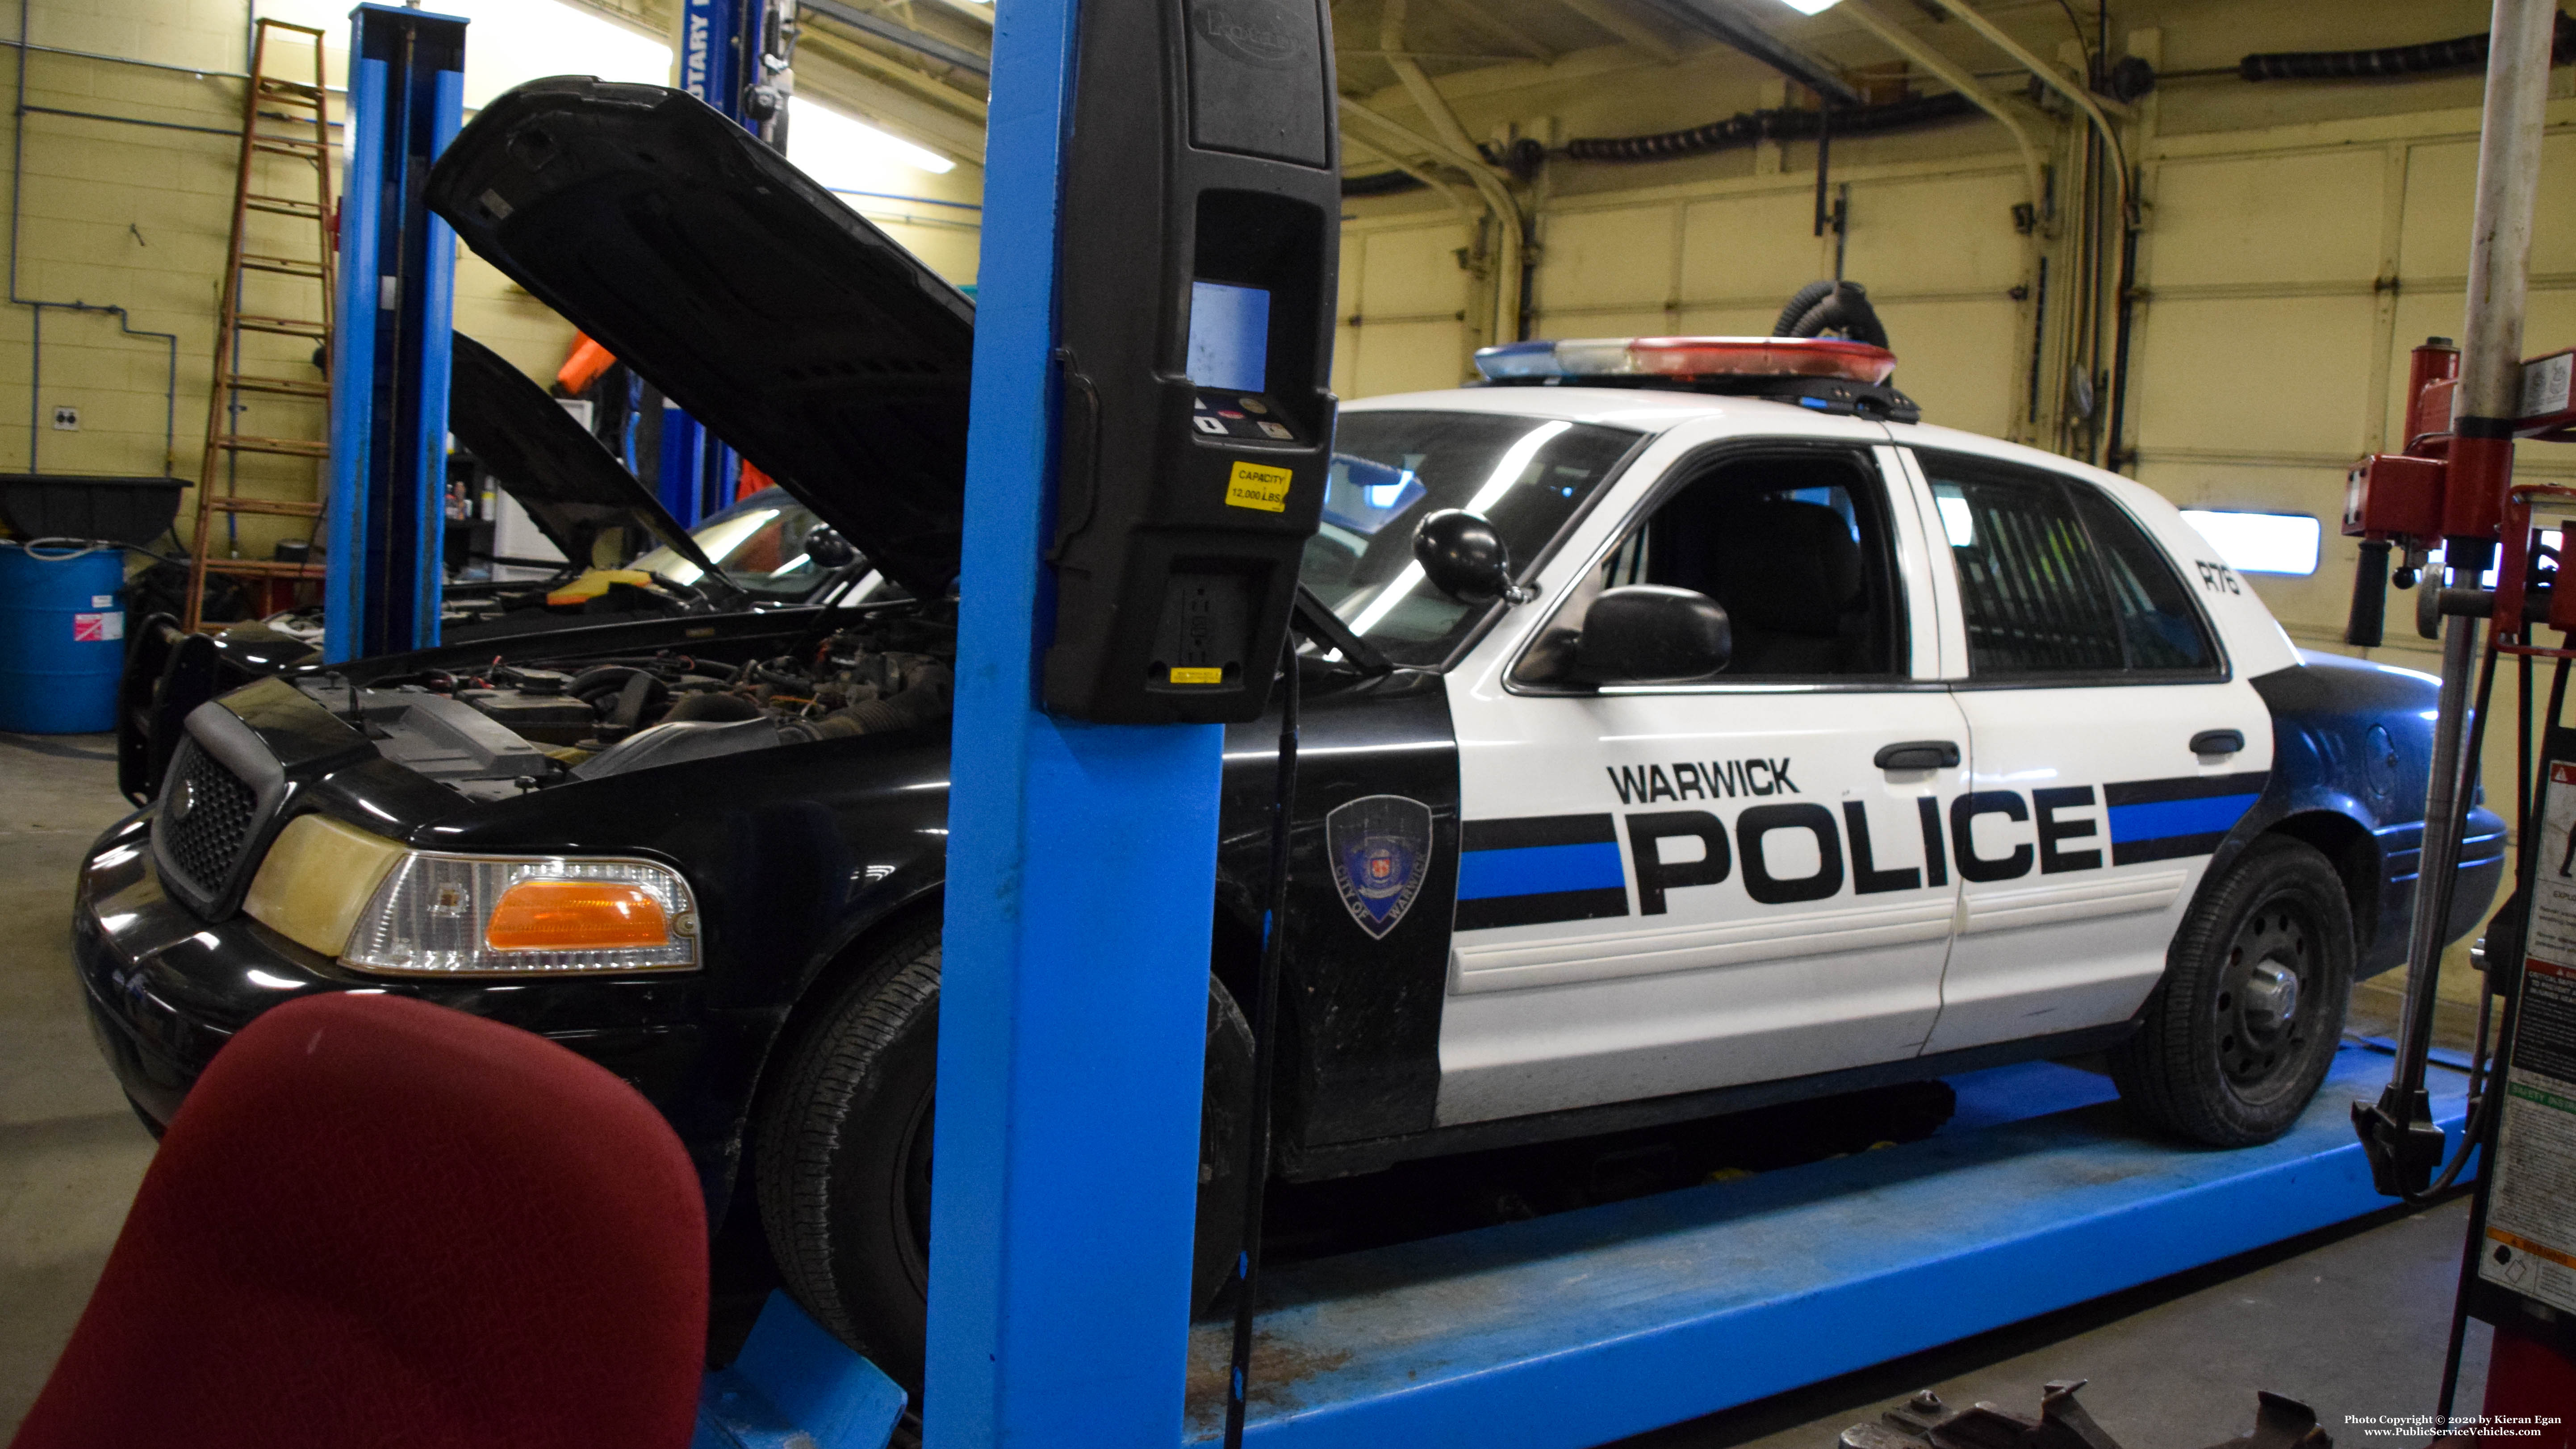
[(731, 52), (1593, 1325), (396, 304), (389, 348), (1071, 1024)]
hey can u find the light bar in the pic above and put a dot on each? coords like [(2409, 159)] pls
[(1685, 357)]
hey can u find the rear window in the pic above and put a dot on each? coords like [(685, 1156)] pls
[(2056, 580)]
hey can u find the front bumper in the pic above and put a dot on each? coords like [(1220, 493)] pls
[(166, 989)]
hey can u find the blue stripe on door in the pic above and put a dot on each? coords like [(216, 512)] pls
[(2209, 815), (1539, 869)]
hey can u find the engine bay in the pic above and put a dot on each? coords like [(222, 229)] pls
[(524, 724)]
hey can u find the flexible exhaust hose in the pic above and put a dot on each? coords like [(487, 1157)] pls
[(1839, 307), (2427, 58), (1780, 124)]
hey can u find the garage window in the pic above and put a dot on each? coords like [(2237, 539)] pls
[(2056, 580)]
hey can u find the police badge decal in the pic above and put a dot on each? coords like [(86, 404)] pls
[(1381, 850)]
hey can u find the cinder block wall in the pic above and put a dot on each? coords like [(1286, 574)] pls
[(124, 183)]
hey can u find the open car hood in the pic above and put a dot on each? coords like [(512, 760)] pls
[(574, 490), (785, 322)]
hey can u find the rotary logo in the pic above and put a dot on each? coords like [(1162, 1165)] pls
[(1256, 32)]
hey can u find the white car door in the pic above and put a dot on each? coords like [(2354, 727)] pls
[(2113, 745), (1673, 888)]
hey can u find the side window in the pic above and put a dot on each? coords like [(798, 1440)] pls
[(2055, 580), (2158, 624), (1793, 545)]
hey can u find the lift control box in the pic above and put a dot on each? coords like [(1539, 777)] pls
[(1201, 228), (2523, 1223)]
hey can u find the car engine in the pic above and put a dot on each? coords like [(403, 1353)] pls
[(529, 724)]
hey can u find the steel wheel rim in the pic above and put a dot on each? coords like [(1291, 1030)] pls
[(2263, 1014)]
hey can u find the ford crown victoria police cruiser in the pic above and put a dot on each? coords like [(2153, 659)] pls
[(1798, 749)]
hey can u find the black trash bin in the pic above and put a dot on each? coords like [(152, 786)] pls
[(78, 505)]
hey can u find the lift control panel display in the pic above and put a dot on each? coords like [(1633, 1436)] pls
[(1195, 316)]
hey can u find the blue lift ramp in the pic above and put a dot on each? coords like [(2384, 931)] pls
[(1592, 1325)]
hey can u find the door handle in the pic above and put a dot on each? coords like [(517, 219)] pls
[(2217, 742), (1917, 755)]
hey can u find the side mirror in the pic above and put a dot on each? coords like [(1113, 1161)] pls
[(824, 545), (1464, 558), (1651, 634)]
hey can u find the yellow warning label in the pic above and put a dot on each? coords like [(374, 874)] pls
[(1253, 486), (1183, 675)]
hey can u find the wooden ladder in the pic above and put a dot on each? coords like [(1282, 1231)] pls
[(274, 100)]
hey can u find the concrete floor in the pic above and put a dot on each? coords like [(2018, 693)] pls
[(2350, 1320), (71, 1153)]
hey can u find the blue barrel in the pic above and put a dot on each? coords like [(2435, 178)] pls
[(62, 636)]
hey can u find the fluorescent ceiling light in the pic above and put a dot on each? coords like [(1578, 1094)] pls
[(847, 154), (1809, 7), (2260, 543)]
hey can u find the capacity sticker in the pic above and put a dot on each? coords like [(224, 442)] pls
[(1253, 486)]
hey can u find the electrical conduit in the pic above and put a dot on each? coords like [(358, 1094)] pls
[(1460, 151), (1498, 202)]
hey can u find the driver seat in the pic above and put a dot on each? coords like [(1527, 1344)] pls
[(1790, 577)]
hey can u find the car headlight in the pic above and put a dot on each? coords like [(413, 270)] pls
[(439, 914)]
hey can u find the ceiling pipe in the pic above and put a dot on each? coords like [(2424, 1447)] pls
[(1462, 153), (1498, 202), (1396, 162), (2083, 99), (1957, 78), (1417, 83)]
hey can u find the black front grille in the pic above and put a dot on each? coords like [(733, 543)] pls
[(206, 819)]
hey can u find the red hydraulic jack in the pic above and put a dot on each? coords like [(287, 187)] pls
[(2452, 488)]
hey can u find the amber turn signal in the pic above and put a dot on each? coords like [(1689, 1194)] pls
[(576, 915)]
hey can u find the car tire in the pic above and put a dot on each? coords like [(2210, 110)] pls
[(2234, 1041), (842, 1154)]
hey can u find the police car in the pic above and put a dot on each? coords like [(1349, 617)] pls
[(1684, 731)]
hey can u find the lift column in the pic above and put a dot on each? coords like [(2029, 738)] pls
[(389, 349), (1081, 860), (1160, 221), (734, 55)]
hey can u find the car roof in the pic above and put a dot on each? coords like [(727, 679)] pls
[(2254, 638), (1650, 410)]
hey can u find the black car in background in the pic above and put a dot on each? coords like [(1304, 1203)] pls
[(625, 558)]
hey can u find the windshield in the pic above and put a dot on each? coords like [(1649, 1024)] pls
[(759, 543), (1526, 476)]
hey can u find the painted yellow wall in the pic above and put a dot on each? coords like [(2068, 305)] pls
[(137, 217)]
